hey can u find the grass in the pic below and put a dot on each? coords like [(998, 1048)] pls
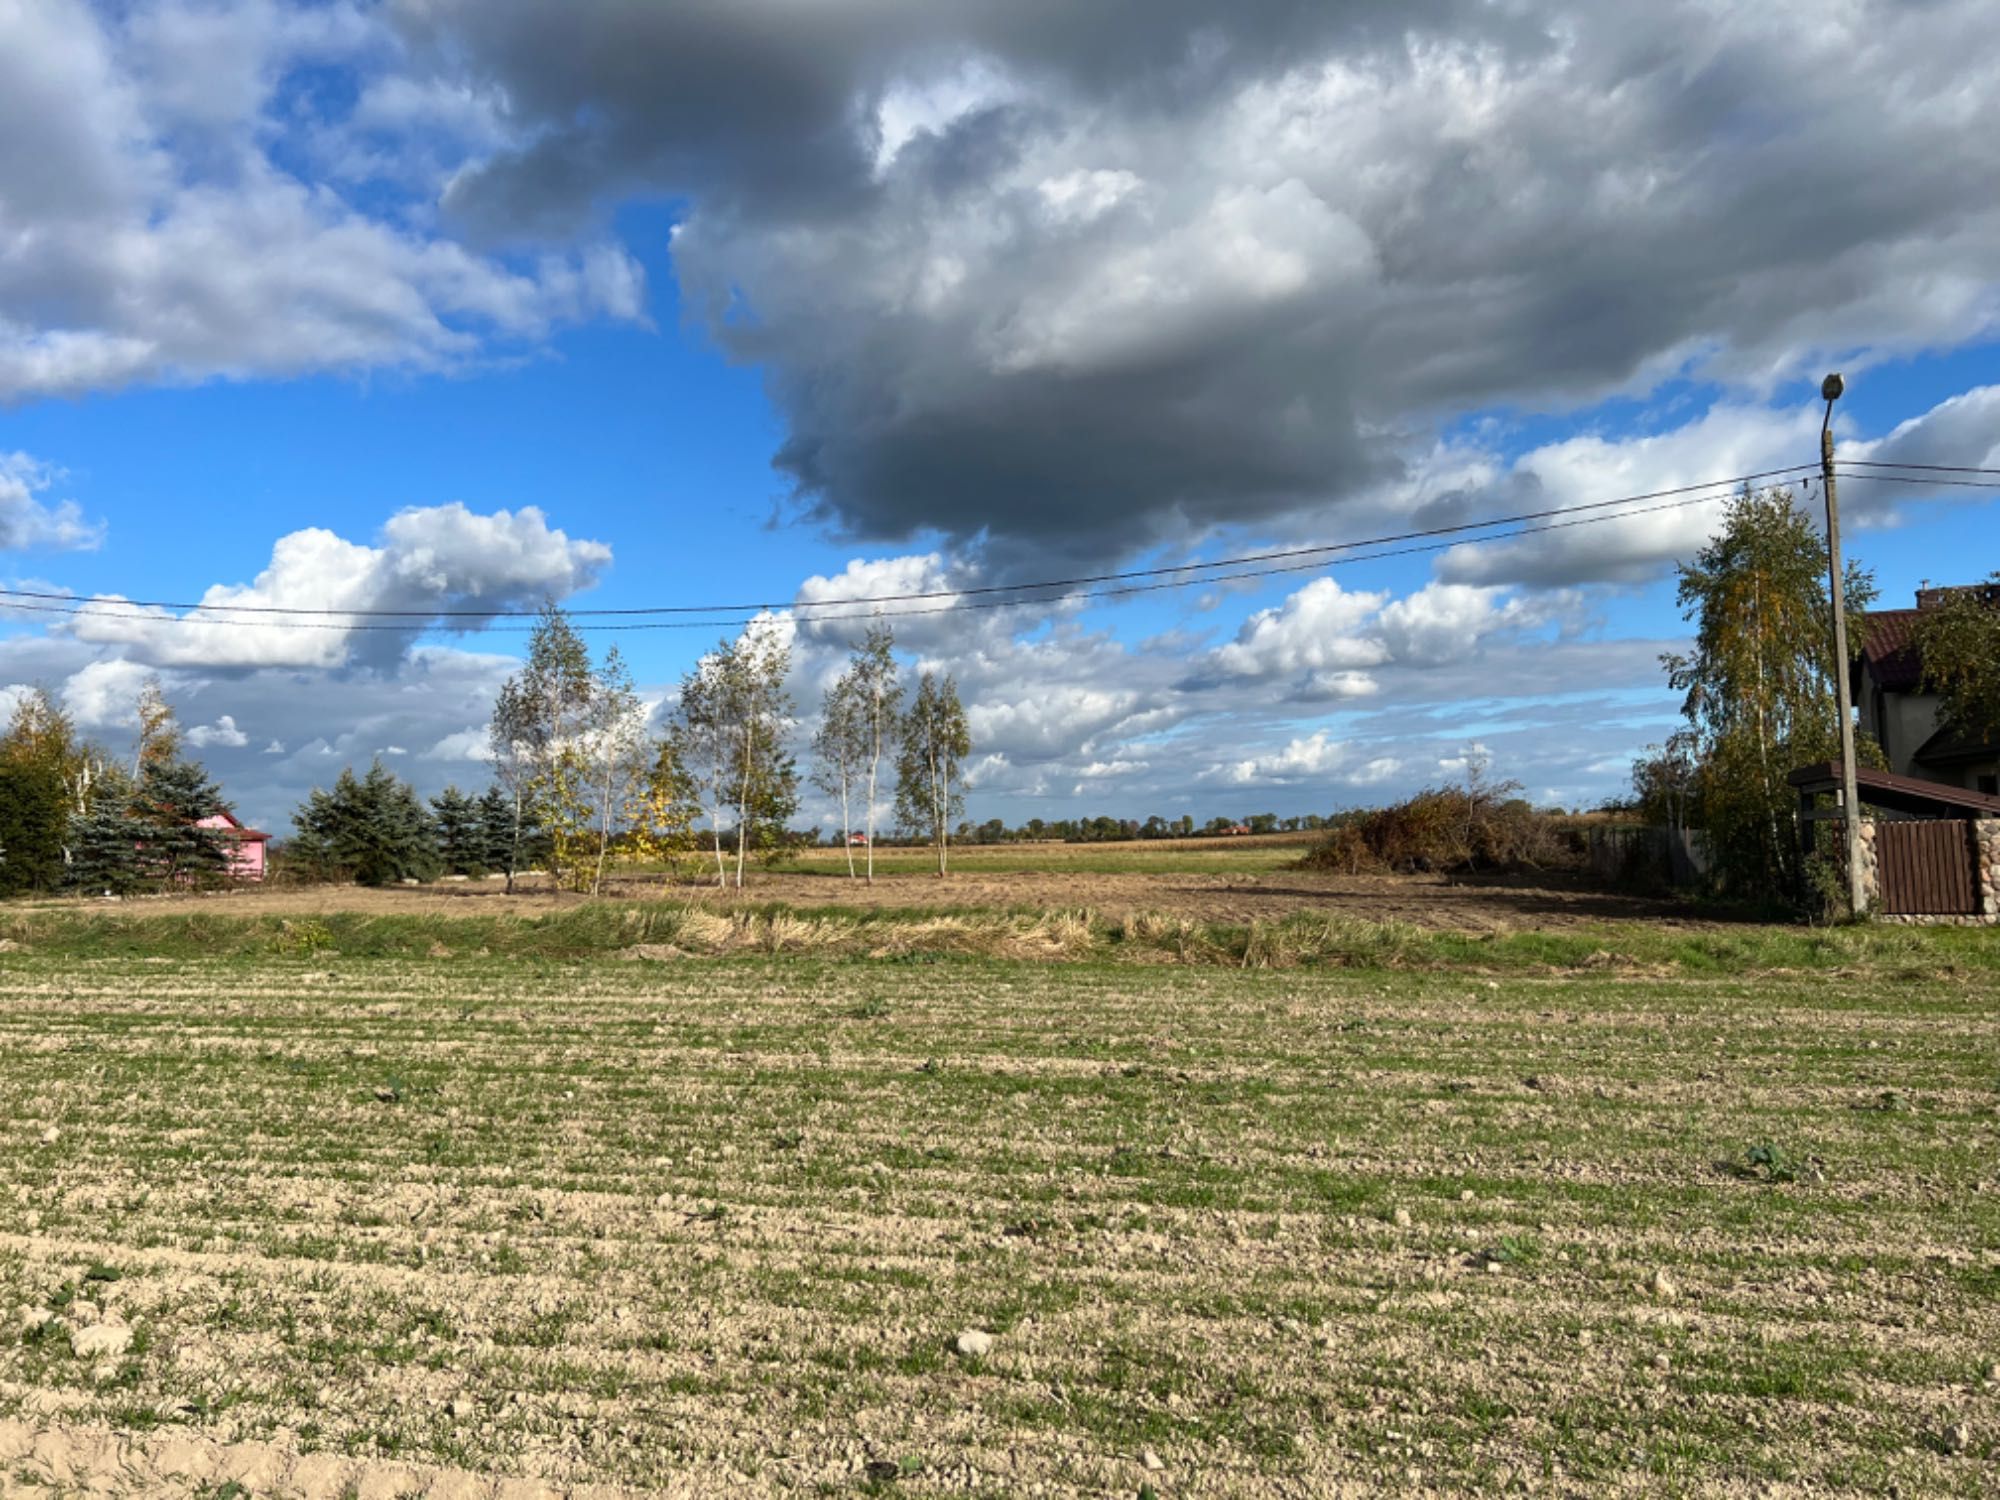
[(718, 1223), (919, 935), (1223, 855)]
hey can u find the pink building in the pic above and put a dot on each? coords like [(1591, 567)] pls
[(245, 845)]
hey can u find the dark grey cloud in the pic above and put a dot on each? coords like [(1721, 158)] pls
[(1083, 279)]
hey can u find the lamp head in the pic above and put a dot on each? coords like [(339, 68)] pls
[(1831, 387)]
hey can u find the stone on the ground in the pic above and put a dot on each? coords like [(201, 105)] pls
[(1958, 1437), (975, 1343), (1662, 1286), (100, 1341), (1152, 1460), (1402, 1218)]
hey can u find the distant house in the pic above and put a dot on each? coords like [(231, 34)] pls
[(245, 846), (1902, 717), (857, 840)]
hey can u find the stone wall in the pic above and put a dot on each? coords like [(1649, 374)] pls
[(1987, 834)]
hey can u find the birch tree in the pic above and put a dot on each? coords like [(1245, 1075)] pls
[(616, 744), (1758, 686), (699, 736), (930, 786), (729, 735), (878, 696), (858, 724), (538, 717), (159, 732), (765, 778), (1959, 639), (660, 814)]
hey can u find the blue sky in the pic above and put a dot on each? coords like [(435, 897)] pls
[(432, 304)]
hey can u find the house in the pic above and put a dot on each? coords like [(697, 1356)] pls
[(857, 841), (245, 846), (1902, 718)]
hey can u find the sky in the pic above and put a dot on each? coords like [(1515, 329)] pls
[(450, 306)]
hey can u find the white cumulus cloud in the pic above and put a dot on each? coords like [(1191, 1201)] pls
[(428, 561)]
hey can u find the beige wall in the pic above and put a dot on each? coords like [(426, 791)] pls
[(1901, 722)]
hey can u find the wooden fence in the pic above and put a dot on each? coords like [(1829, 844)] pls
[(1926, 869)]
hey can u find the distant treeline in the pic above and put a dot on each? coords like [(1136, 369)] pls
[(1109, 830)]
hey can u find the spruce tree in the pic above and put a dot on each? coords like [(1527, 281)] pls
[(309, 853), (461, 840), (33, 815), (496, 827), (105, 849), (372, 829), (172, 797)]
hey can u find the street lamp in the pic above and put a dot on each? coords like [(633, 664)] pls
[(1831, 390)]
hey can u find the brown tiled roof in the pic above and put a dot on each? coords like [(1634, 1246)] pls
[(1889, 650)]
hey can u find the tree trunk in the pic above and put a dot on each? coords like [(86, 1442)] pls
[(874, 766), (743, 808), (603, 829), (940, 814), (514, 846), (846, 821)]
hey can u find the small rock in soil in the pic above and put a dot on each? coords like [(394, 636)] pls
[(51, 1136), (1957, 1438), (975, 1343), (1402, 1218), (1662, 1286), (100, 1341), (1152, 1460)]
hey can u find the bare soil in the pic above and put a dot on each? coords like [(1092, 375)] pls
[(1545, 901), (488, 1229)]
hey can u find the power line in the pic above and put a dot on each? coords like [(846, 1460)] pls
[(1869, 463), (1120, 591), (1185, 575), (69, 604), (1929, 483)]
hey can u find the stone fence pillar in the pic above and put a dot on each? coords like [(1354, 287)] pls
[(1986, 838)]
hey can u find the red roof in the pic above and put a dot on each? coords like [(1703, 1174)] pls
[(242, 835), (1890, 650)]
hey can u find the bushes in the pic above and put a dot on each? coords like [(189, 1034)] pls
[(1472, 827)]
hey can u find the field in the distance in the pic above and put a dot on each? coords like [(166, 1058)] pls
[(715, 1227), (1250, 879)]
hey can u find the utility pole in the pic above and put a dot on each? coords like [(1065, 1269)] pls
[(1850, 793)]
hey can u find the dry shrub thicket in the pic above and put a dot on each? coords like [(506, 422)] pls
[(1474, 827)]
